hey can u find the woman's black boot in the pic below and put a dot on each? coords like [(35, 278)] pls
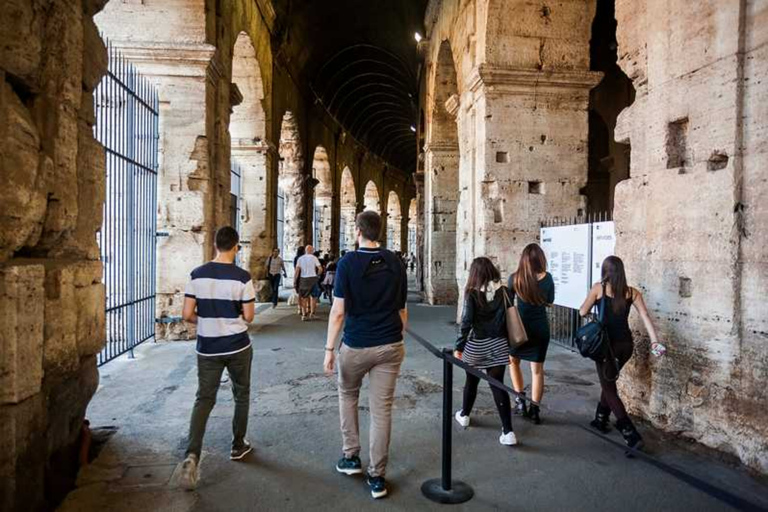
[(631, 436), (521, 408), (533, 414), (602, 414)]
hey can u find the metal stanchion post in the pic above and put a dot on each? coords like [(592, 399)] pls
[(444, 489)]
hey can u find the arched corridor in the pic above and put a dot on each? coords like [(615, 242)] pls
[(165, 161), (371, 198), (347, 211), (323, 198), (394, 222)]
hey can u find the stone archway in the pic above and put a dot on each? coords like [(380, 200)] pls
[(323, 196), (394, 222), (371, 198), (291, 216), (247, 128), (412, 226), (348, 209), (442, 184)]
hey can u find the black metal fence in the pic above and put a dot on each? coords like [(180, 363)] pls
[(126, 106), (564, 321)]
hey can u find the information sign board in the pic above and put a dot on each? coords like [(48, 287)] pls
[(567, 249), (603, 245)]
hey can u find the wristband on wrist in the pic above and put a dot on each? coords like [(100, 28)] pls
[(330, 349)]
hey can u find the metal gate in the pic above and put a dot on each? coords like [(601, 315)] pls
[(126, 108)]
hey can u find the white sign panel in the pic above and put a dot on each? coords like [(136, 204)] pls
[(603, 245), (567, 250)]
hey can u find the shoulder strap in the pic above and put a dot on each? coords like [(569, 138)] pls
[(601, 315)]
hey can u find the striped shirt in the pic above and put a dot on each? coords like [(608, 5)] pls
[(220, 290)]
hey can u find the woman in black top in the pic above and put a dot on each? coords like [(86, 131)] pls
[(535, 291), (483, 341), (619, 299)]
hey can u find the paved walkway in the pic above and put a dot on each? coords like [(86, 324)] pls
[(146, 402)]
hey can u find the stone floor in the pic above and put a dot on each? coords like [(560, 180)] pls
[(294, 428)]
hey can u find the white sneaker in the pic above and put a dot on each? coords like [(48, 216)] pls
[(189, 473), (461, 420), (508, 439)]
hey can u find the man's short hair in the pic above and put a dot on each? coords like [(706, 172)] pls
[(226, 238), (369, 224)]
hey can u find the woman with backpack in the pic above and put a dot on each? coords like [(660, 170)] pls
[(535, 291), (483, 341), (616, 298)]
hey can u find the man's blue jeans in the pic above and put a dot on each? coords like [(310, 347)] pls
[(274, 282)]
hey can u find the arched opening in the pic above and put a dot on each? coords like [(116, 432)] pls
[(442, 184), (371, 198), (323, 194), (290, 192), (394, 222), (348, 208), (608, 160), (412, 223), (247, 128)]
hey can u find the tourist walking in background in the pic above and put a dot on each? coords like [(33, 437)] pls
[(307, 270), (295, 295), (220, 299), (535, 291), (370, 292), (483, 342), (619, 299), (275, 273)]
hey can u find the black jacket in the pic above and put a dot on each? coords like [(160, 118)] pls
[(482, 318)]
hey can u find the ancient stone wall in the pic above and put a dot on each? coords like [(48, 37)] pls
[(523, 84), (51, 295), (690, 221)]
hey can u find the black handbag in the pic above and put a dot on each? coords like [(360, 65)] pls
[(593, 342)]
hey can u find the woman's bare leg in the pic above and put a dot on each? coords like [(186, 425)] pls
[(517, 375), (537, 381)]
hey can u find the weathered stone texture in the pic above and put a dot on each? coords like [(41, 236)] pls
[(691, 229), (21, 357)]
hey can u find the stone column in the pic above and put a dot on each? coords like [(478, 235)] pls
[(252, 155), (516, 174), (440, 203), (184, 178)]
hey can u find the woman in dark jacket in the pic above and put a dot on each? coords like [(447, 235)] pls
[(535, 291), (483, 342)]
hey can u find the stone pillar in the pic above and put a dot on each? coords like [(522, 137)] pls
[(418, 180), (515, 174), (254, 219), (185, 190), (440, 203)]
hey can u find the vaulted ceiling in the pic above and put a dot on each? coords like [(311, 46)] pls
[(359, 60)]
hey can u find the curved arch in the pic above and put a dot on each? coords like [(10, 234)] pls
[(348, 209), (247, 128), (291, 215), (442, 187), (323, 195), (394, 222), (371, 198)]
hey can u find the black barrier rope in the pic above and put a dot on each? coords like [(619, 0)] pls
[(446, 490)]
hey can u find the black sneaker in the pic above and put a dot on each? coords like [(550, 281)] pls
[(239, 453), (349, 466), (377, 485)]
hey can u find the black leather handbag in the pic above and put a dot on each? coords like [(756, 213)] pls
[(592, 338)]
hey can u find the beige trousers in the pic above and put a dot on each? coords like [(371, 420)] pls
[(382, 364)]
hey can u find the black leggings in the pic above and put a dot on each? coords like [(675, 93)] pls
[(500, 397), (606, 372)]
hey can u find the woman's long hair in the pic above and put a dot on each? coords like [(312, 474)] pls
[(532, 263), (481, 273), (301, 251), (612, 272)]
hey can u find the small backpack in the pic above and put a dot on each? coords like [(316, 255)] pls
[(592, 338)]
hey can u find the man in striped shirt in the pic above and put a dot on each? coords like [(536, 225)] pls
[(220, 299)]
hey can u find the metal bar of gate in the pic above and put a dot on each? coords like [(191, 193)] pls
[(127, 126)]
